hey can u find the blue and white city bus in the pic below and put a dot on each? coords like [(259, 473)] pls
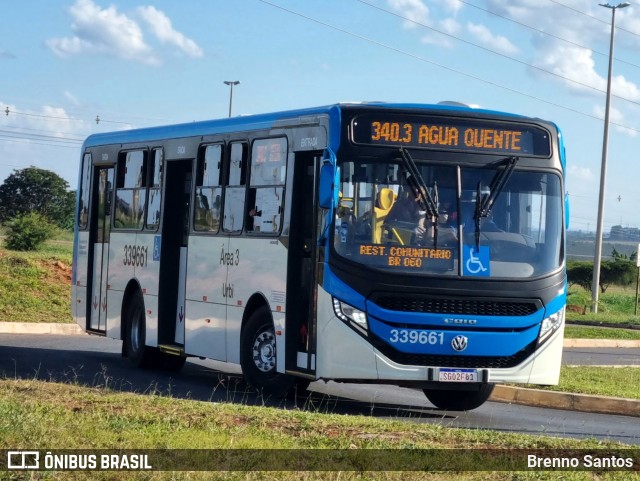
[(415, 245)]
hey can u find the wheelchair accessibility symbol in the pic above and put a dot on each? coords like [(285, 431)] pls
[(476, 263), (157, 242)]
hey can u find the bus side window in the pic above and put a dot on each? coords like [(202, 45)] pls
[(208, 193), (131, 190), (267, 180), (155, 190), (234, 193), (83, 208)]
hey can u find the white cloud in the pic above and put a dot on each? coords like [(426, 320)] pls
[(582, 174), (414, 10), (73, 100), (617, 118), (573, 63), (449, 26), (161, 26), (106, 31), (577, 65), (453, 6), (495, 42)]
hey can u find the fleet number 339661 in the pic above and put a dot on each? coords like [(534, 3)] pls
[(406, 336)]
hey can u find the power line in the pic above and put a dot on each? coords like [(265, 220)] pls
[(19, 130), (31, 142), (548, 34), (27, 135), (522, 62), (594, 17), (7, 111), (431, 62)]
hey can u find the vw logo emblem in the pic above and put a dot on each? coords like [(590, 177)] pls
[(459, 343)]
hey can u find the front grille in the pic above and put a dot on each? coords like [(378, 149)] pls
[(459, 361), (456, 306)]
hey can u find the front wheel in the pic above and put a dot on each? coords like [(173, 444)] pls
[(258, 356), (457, 400)]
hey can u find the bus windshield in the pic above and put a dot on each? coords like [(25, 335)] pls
[(444, 219)]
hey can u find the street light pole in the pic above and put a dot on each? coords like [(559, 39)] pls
[(231, 83), (595, 284)]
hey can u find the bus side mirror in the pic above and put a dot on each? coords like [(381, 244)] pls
[(328, 189)]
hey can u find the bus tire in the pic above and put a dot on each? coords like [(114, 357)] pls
[(457, 400), (136, 350), (258, 356)]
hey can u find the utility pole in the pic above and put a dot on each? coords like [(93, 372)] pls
[(231, 83), (595, 284)]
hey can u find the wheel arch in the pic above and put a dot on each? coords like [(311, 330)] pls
[(256, 301)]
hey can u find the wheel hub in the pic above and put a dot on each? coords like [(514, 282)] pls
[(264, 351)]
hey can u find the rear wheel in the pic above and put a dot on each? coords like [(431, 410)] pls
[(136, 350), (457, 400), (258, 356)]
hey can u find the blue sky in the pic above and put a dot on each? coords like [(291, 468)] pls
[(151, 62)]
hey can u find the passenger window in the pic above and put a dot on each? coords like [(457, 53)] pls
[(131, 190), (156, 168), (266, 193), (234, 196), (208, 193), (85, 184)]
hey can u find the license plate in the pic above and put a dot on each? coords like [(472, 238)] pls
[(458, 375)]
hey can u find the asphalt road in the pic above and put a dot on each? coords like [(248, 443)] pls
[(601, 356), (95, 361)]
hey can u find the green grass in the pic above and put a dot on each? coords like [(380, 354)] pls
[(36, 286), (615, 306), (602, 381), (41, 415), (588, 332)]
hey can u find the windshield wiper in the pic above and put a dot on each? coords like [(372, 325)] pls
[(426, 201), (484, 205), (497, 184)]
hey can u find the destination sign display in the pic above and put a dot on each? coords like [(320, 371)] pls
[(442, 133), (407, 257)]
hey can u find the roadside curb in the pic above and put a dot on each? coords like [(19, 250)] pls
[(39, 328), (568, 401), (601, 343)]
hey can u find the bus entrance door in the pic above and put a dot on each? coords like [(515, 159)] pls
[(302, 267), (173, 256), (100, 231)]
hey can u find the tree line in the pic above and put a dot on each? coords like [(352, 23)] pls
[(33, 203), (621, 270)]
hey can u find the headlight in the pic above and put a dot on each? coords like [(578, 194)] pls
[(350, 315), (550, 325)]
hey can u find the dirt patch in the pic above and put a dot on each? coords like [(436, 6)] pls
[(57, 271)]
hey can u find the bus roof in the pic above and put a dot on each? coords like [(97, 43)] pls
[(265, 121)]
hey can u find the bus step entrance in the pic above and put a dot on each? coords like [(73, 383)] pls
[(174, 349)]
